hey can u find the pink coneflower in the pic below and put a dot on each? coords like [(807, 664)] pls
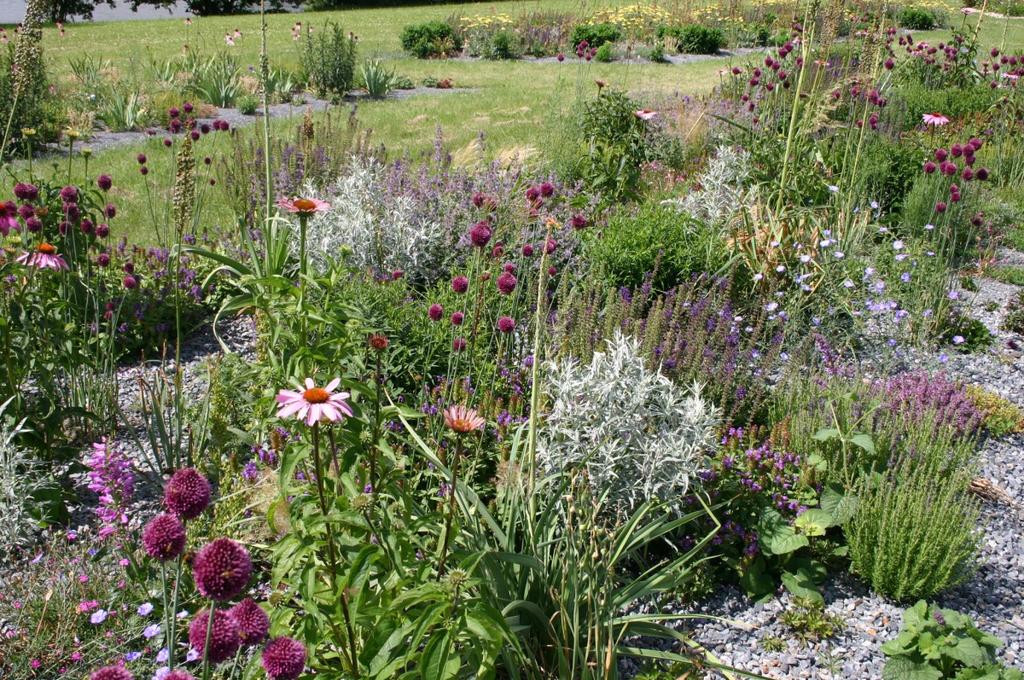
[(934, 119), (303, 207), (646, 114), (284, 659), (462, 419), (314, 403), (44, 257)]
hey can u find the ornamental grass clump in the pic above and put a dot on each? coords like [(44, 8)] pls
[(639, 436)]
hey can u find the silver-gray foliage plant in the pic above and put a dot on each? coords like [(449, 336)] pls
[(377, 232), (723, 187), (639, 436), (19, 479)]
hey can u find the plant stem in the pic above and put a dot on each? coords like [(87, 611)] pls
[(209, 636), (451, 507)]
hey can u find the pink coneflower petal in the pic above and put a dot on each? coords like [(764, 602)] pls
[(331, 386)]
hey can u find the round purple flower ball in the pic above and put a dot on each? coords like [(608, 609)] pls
[(112, 673), (179, 675), (102, 230), (103, 260), (547, 189), (459, 344), (187, 493), (480, 234), (130, 282), (26, 192), (527, 250), (460, 284), (506, 324), (435, 312), (284, 658), (506, 283), (110, 211), (224, 640), (253, 623), (458, 318), (163, 537), (104, 182), (34, 224), (982, 174), (69, 194), (929, 167), (221, 569)]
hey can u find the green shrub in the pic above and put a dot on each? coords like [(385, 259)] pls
[(503, 45), (329, 61), (966, 333), (694, 38), (915, 531), (604, 53), (431, 39), (377, 79), (917, 19), (247, 104), (936, 643), (656, 239), (1014, 320), (886, 171), (595, 34), (657, 54), (1015, 9)]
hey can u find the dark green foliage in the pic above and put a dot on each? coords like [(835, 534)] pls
[(328, 59), (936, 643), (503, 45), (694, 38), (887, 169), (809, 622), (655, 240), (966, 333), (595, 34), (913, 100), (917, 19), (604, 53), (431, 39), (657, 54)]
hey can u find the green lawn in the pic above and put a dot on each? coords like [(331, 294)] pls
[(517, 106)]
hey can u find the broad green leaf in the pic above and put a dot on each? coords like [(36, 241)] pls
[(902, 668), (841, 506), (438, 662), (802, 585), (863, 441), (814, 522)]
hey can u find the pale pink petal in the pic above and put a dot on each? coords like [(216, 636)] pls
[(313, 416), (287, 395), (331, 385), (290, 409), (310, 384), (330, 411)]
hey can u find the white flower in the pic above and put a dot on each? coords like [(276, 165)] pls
[(897, 245)]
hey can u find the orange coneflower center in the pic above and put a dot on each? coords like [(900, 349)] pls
[(46, 249), (304, 205), (316, 395)]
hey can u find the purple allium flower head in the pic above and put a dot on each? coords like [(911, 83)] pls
[(578, 221), (546, 189), (163, 537), (34, 224), (284, 658), (103, 260), (130, 282), (253, 623), (459, 344), (527, 250), (112, 673), (224, 640), (506, 283), (104, 182), (179, 675), (435, 312), (187, 493), (141, 158), (506, 324), (26, 192), (110, 211), (103, 230), (460, 284), (69, 194), (221, 569), (458, 318), (480, 234)]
